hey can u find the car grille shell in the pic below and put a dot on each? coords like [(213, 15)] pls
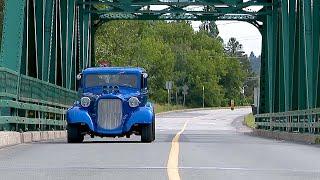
[(109, 113)]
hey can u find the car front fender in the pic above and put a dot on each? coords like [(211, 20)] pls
[(143, 115), (77, 115)]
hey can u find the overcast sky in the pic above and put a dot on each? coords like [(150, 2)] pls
[(247, 34)]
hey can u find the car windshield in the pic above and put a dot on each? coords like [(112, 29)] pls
[(128, 80)]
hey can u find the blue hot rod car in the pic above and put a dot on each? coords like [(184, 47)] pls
[(114, 103)]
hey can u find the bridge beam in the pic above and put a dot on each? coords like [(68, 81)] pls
[(316, 47), (13, 33), (41, 50)]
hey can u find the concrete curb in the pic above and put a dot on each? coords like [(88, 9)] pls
[(279, 135), (8, 138)]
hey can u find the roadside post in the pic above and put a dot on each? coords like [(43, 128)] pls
[(256, 100), (169, 85), (185, 89), (177, 91), (232, 104)]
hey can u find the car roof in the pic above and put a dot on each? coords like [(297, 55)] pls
[(98, 70)]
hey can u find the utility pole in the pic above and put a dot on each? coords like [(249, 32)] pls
[(168, 96), (202, 96)]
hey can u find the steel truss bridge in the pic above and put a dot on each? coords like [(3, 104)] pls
[(45, 43)]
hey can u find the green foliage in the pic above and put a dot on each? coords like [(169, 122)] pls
[(173, 51), (211, 28), (255, 62), (249, 121), (165, 107), (247, 78)]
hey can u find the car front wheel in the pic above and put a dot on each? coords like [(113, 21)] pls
[(74, 134), (148, 133)]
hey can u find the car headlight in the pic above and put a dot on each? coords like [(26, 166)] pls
[(134, 102), (85, 102)]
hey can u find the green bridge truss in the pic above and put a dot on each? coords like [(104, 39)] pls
[(45, 43)]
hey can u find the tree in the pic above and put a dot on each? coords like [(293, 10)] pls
[(210, 27), (233, 81), (255, 63), (171, 51), (234, 49)]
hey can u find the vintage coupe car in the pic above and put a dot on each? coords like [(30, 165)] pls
[(114, 103)]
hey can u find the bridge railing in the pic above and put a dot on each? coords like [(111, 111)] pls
[(299, 121), (28, 103)]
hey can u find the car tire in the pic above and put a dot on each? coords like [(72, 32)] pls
[(147, 133), (153, 130), (74, 134)]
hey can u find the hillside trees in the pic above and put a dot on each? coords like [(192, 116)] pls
[(171, 51), (235, 52)]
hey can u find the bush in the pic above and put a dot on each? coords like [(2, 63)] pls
[(249, 121)]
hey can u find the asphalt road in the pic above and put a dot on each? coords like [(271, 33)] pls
[(210, 144)]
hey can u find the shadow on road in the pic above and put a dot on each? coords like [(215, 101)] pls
[(113, 142), (187, 137)]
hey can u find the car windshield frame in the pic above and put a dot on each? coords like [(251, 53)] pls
[(114, 79)]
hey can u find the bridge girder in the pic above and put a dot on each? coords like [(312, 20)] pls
[(176, 10)]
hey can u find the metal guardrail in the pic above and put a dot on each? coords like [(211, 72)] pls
[(28, 103), (299, 121), (33, 90)]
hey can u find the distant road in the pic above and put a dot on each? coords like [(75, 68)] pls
[(202, 144)]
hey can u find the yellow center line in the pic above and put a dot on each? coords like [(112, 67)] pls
[(173, 161)]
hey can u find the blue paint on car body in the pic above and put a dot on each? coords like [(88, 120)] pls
[(131, 117)]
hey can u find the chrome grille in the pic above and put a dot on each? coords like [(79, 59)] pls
[(109, 113)]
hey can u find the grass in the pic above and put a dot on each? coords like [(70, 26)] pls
[(165, 107), (249, 120)]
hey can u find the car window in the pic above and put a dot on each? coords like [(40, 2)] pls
[(128, 80)]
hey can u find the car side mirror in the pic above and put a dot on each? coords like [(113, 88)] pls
[(79, 76), (144, 80), (145, 75), (144, 86)]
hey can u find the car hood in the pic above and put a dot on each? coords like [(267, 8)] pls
[(124, 94)]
